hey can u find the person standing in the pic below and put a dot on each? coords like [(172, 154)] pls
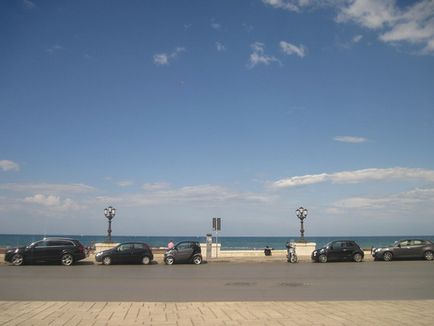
[(170, 245)]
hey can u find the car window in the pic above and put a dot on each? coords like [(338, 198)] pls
[(59, 243), (139, 246), (41, 244), (183, 246), (338, 244), (350, 244), (405, 243), (125, 247), (417, 242)]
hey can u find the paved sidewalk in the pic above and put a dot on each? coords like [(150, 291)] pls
[(415, 312)]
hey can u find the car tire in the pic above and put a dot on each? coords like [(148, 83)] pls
[(17, 260), (387, 256), (67, 260), (428, 255), (146, 260), (197, 260), (107, 260), (322, 258), (357, 257), (293, 259), (169, 260)]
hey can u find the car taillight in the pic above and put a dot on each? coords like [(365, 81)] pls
[(81, 248)]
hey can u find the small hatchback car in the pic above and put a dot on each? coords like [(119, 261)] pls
[(340, 250), (63, 250), (405, 249), (126, 253), (184, 252)]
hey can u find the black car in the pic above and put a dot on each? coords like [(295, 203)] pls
[(184, 252), (340, 250), (126, 253), (405, 249), (63, 250)]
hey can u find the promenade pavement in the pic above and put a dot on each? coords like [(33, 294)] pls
[(354, 313)]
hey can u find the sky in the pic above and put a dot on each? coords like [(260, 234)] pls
[(175, 112)]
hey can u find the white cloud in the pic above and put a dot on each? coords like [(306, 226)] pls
[(291, 5), (27, 4), (7, 165), (403, 201), (216, 26), (356, 176), (125, 183), (164, 59), (54, 49), (51, 201), (258, 56), (350, 139), (290, 49), (155, 186), (220, 47), (357, 38), (412, 24), (47, 187)]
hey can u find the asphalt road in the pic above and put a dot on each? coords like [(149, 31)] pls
[(220, 282)]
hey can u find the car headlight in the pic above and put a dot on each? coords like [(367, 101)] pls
[(322, 250)]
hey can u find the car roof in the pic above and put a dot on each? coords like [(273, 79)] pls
[(57, 238), (133, 242)]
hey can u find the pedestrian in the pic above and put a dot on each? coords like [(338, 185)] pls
[(170, 245)]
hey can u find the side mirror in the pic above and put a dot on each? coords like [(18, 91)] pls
[(398, 245)]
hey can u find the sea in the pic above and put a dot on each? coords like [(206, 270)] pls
[(227, 243)]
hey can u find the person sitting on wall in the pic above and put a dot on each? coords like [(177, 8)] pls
[(267, 251)]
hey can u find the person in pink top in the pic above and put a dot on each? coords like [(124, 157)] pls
[(170, 245)]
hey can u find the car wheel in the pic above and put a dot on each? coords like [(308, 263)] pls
[(357, 257), (17, 260), (67, 260), (428, 255), (293, 259), (169, 261), (146, 260), (322, 258), (387, 256), (107, 260), (197, 260)]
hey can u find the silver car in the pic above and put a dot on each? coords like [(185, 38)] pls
[(403, 249)]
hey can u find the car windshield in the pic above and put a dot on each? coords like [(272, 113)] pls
[(395, 244)]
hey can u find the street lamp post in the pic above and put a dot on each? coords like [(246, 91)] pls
[(110, 213), (301, 214)]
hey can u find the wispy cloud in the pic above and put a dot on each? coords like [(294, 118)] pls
[(125, 183), (164, 59), (54, 49), (356, 176), (248, 28), (215, 25), (52, 201), (290, 49), (410, 25), (400, 201), (7, 165), (350, 139), (220, 46), (413, 24), (27, 4), (258, 56), (52, 188), (357, 38)]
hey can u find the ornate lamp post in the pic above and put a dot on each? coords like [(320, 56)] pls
[(301, 214), (110, 213)]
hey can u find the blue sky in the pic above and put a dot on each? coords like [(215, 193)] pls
[(178, 111)]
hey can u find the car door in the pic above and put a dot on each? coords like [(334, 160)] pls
[(184, 251), (138, 252), (416, 249), (39, 251), (124, 254), (403, 249), (335, 251), (347, 250)]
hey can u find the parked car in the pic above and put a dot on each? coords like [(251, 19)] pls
[(126, 253), (339, 250), (63, 250), (407, 248), (184, 252)]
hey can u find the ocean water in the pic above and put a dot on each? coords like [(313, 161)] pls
[(228, 243)]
